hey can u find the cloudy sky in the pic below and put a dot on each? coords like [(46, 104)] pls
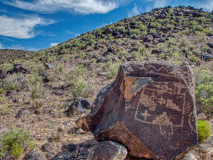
[(39, 24)]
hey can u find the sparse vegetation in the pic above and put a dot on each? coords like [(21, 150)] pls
[(13, 142), (204, 130)]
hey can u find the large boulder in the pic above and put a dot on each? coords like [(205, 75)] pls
[(149, 108)]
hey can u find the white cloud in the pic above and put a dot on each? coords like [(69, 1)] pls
[(208, 4), (78, 6), (53, 44), (21, 28), (134, 11), (157, 4), (161, 3)]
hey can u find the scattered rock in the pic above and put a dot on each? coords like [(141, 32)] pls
[(49, 65), (80, 105), (158, 96), (3, 73), (50, 155), (107, 150), (46, 77), (69, 147), (190, 156), (32, 155), (19, 68), (202, 116), (23, 114), (47, 147)]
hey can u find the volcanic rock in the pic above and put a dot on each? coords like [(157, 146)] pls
[(3, 73), (32, 155), (107, 150), (80, 105), (20, 68), (149, 108)]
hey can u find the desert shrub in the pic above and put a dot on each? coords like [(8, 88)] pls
[(34, 67), (177, 58), (60, 68), (14, 82), (199, 28), (193, 58), (204, 94), (204, 89), (76, 79), (37, 90), (37, 103), (12, 143), (135, 31), (202, 76), (4, 106), (67, 58), (7, 66), (147, 55), (134, 54), (204, 130), (113, 70), (52, 58), (162, 56), (184, 42), (152, 31)]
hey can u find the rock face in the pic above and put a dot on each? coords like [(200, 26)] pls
[(149, 108), (107, 150)]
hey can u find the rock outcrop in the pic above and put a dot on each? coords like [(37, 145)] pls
[(149, 108)]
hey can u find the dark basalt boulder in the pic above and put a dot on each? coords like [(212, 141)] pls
[(80, 105), (20, 68), (149, 108)]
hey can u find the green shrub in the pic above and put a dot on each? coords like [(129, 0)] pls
[(204, 130), (193, 58), (203, 76), (162, 56), (113, 70), (14, 142), (4, 106), (37, 90), (14, 82), (204, 93)]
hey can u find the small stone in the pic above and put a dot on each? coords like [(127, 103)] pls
[(80, 105), (190, 156), (50, 155), (23, 114), (32, 155), (47, 147), (69, 147), (107, 150), (201, 116)]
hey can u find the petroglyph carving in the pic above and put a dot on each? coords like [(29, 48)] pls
[(172, 105), (153, 103)]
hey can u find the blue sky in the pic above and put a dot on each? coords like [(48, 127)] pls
[(39, 24)]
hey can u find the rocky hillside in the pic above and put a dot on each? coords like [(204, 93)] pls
[(38, 88)]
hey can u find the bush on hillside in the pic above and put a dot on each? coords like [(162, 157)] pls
[(204, 130), (14, 142)]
